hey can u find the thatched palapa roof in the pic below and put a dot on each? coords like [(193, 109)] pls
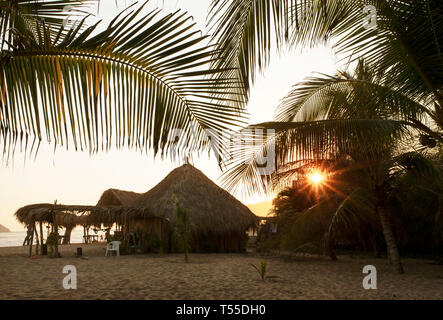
[(111, 207), (66, 215), (211, 208), (115, 197)]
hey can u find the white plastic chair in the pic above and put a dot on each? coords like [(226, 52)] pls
[(113, 246)]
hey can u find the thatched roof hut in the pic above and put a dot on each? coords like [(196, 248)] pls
[(211, 209), (218, 221), (116, 197)]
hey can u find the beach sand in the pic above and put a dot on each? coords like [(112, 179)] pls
[(210, 276)]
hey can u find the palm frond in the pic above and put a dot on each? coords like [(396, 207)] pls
[(416, 188), (311, 224), (418, 165), (27, 14), (244, 31), (410, 56), (406, 45), (361, 95), (134, 84), (259, 151), (356, 211)]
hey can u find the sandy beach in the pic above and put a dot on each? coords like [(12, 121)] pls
[(210, 276)]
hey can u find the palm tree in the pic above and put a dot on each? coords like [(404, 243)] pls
[(415, 194), (364, 95), (346, 116), (405, 48), (345, 207), (405, 45), (132, 84), (334, 216)]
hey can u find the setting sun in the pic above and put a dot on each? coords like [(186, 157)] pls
[(316, 177)]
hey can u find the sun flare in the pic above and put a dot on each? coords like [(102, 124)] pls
[(316, 177)]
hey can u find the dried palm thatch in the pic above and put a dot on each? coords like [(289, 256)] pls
[(211, 209), (115, 197), (66, 215)]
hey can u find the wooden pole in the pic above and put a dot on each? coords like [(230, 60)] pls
[(55, 227), (56, 243), (41, 233), (31, 241), (28, 236), (37, 240), (67, 237)]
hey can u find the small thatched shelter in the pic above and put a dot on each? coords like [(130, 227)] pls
[(67, 216), (62, 215), (218, 220)]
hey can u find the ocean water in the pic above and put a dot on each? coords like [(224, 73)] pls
[(13, 239)]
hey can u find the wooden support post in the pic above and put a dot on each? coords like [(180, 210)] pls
[(67, 237), (56, 243), (41, 233), (32, 240), (127, 235), (37, 240), (55, 228)]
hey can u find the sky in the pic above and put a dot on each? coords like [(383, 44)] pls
[(77, 178)]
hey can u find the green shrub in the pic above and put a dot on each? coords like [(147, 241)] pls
[(51, 242), (110, 238), (183, 226)]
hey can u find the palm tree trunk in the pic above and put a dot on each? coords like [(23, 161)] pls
[(331, 254), (329, 249), (67, 237), (390, 241)]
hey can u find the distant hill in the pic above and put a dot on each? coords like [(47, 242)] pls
[(260, 209), (4, 229)]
